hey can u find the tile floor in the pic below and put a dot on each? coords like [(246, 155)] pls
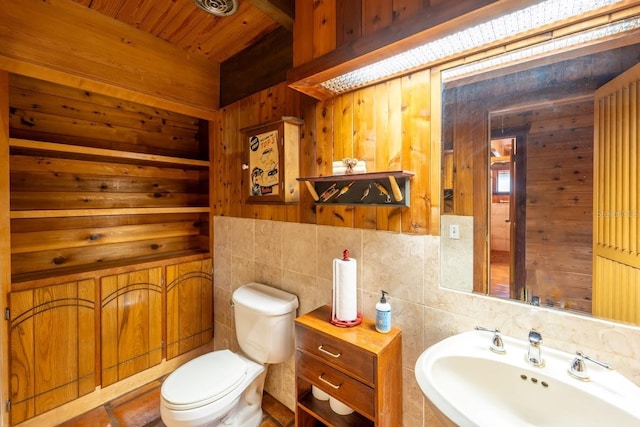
[(141, 408)]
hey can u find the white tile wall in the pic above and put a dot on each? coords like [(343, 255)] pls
[(298, 258)]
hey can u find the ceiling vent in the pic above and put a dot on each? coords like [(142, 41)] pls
[(218, 7)]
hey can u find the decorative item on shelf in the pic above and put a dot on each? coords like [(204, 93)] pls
[(272, 161), (344, 189), (348, 166), (329, 193), (373, 189)]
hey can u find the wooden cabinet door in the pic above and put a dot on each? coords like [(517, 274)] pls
[(131, 320), (616, 199), (189, 306), (53, 347)]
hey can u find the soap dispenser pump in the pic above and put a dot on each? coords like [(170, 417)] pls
[(383, 314)]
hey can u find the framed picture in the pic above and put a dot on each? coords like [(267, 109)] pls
[(272, 161)]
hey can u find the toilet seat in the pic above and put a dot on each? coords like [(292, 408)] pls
[(203, 380)]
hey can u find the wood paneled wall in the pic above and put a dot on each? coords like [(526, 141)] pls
[(324, 25), (388, 125), (49, 188), (559, 205), (70, 44)]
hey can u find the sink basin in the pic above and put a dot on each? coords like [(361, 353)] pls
[(473, 386)]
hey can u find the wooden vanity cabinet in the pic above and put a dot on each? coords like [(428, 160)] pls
[(358, 366)]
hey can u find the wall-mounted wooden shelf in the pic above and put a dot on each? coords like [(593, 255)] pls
[(389, 188)]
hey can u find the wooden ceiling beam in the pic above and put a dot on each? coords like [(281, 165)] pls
[(281, 11)]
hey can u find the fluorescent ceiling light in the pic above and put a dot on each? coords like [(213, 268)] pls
[(495, 30), (543, 48)]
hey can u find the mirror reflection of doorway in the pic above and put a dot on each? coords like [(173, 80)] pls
[(502, 183), (507, 216)]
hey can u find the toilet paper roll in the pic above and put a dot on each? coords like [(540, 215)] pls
[(319, 394), (345, 304), (339, 407)]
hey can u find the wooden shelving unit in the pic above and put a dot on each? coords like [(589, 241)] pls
[(366, 189), (94, 186)]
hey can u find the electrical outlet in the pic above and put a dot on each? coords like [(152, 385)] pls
[(454, 231)]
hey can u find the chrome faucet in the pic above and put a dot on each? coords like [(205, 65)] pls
[(534, 355), (496, 341), (578, 368)]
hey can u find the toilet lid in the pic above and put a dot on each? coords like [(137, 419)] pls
[(204, 379)]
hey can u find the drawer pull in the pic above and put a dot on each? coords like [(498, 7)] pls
[(321, 348), (329, 383)]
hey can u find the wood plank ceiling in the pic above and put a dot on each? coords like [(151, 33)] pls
[(180, 22)]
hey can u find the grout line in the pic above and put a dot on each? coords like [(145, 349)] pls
[(112, 417)]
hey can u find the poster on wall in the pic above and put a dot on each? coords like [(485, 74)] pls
[(271, 161), (264, 164)]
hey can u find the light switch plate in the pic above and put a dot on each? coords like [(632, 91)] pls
[(454, 231)]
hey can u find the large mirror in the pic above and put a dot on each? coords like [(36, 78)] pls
[(518, 179)]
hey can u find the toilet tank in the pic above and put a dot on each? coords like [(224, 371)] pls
[(264, 322)]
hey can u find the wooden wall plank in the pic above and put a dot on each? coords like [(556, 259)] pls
[(88, 237), (302, 37), (404, 9), (20, 85), (324, 27), (416, 148), (364, 145), (376, 14), (349, 21), (26, 265)]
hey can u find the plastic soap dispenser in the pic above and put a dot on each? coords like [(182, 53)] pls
[(383, 314)]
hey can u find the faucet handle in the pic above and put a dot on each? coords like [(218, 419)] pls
[(535, 338), (497, 346), (578, 367)]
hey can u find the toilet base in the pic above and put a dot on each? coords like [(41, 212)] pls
[(242, 410)]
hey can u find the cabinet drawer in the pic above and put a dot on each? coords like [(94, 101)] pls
[(344, 388), (337, 353)]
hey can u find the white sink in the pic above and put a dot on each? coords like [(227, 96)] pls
[(474, 386)]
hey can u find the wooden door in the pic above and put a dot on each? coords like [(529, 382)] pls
[(131, 319), (189, 306), (616, 233), (53, 347)]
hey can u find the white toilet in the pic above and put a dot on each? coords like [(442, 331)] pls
[(223, 388)]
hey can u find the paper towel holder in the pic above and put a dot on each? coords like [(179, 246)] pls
[(344, 323)]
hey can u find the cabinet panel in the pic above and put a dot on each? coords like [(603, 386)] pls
[(189, 306), (337, 353), (339, 385), (53, 347), (131, 333)]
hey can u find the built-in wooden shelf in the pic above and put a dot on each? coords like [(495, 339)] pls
[(389, 188), (82, 151)]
